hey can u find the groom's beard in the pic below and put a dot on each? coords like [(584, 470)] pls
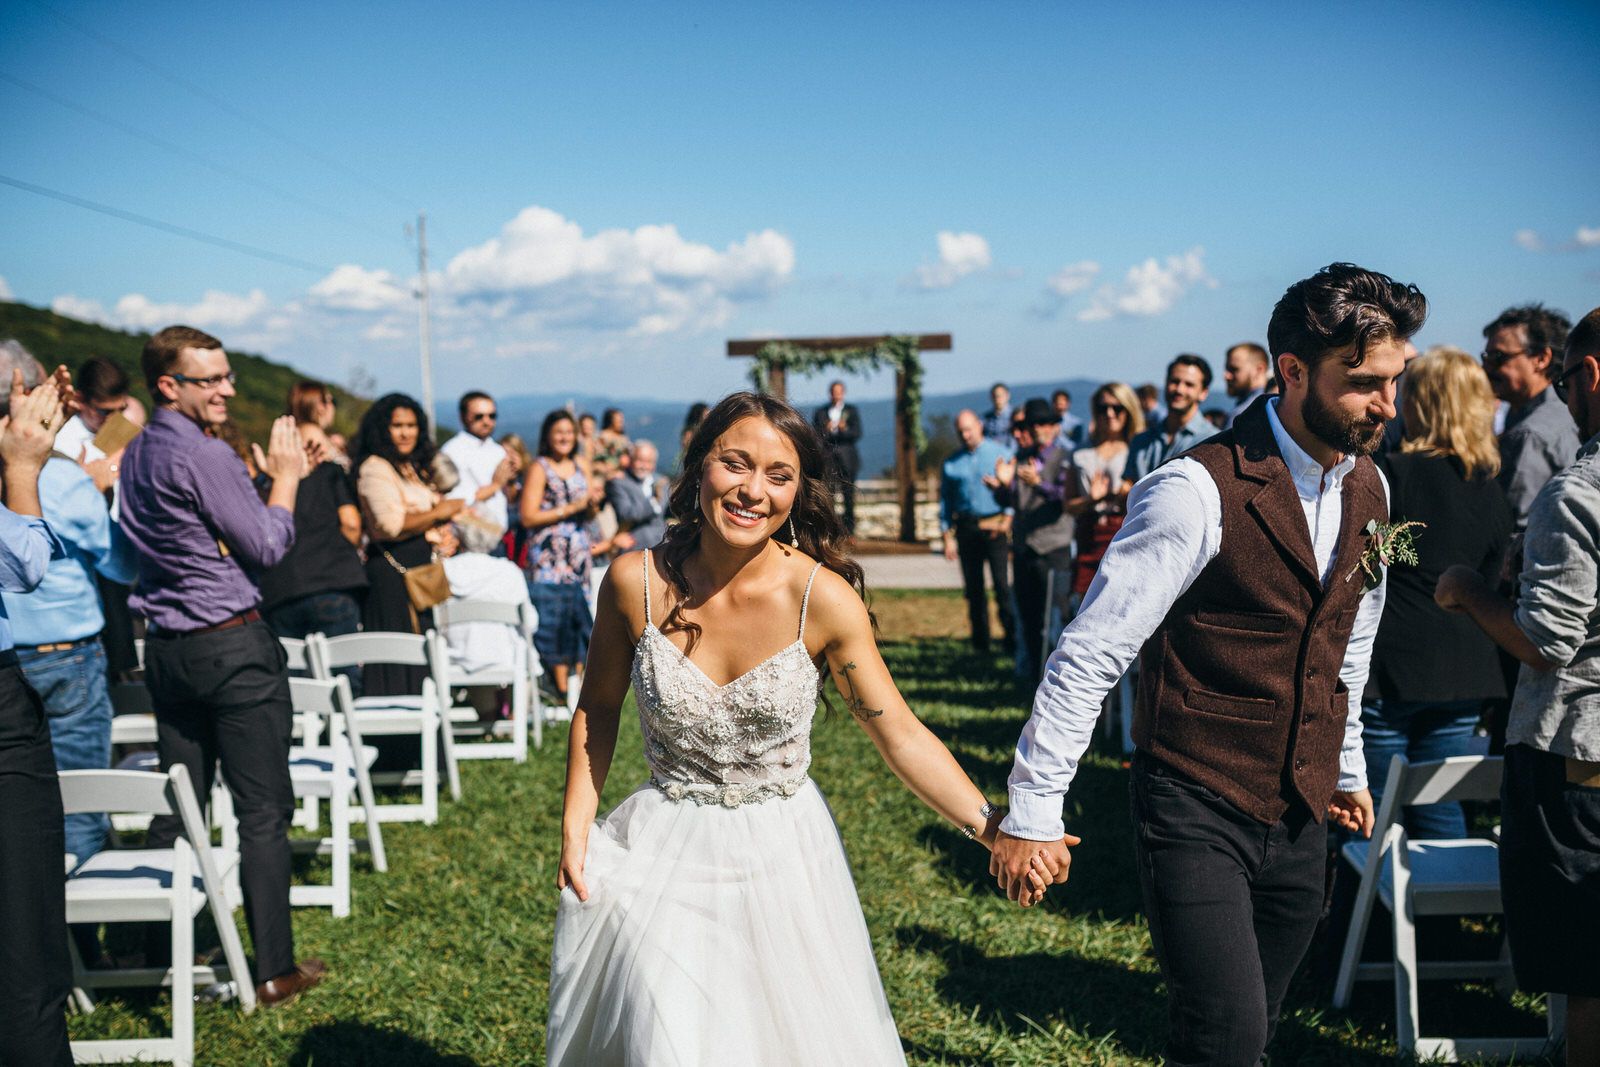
[(1357, 435)]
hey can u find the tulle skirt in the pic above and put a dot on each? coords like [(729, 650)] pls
[(716, 935)]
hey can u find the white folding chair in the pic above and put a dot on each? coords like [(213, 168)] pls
[(515, 674), (420, 715), (337, 772), (153, 885), (1412, 878)]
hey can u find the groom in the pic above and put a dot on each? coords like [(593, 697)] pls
[(1236, 579)]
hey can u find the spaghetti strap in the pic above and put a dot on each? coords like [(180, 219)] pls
[(650, 622), (805, 601)]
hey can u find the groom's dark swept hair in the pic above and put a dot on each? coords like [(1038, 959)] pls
[(1343, 306)]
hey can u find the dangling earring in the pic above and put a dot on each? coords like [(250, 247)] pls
[(794, 538)]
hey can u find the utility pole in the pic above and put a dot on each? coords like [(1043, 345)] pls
[(426, 323)]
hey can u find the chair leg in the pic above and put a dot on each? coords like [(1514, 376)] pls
[(447, 743), (339, 811), (1406, 1022), (1355, 937), (519, 718), (430, 767), (183, 956), (82, 999)]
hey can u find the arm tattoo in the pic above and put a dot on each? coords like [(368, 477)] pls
[(857, 706)]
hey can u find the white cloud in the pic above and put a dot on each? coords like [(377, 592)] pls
[(1582, 238), (1529, 240), (353, 288), (215, 310), (1150, 288), (644, 281), (1586, 237), (1073, 278), (960, 254), (5, 290)]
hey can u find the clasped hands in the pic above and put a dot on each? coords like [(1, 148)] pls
[(1025, 869)]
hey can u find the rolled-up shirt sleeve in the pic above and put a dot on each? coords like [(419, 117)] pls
[(1560, 571), (27, 545), (258, 535), (1172, 531)]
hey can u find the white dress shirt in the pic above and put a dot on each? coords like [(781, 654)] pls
[(476, 458), (1173, 530), (74, 439)]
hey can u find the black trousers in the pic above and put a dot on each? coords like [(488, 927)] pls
[(975, 547), (225, 695), (1030, 570), (1233, 903), (844, 473), (35, 969)]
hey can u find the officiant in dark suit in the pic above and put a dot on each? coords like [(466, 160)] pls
[(638, 495), (839, 425)]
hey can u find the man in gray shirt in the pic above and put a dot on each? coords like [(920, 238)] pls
[(1522, 349), (1550, 825)]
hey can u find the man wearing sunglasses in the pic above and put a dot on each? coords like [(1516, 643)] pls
[(486, 467), (102, 392), (1521, 353), (1550, 829), (217, 675)]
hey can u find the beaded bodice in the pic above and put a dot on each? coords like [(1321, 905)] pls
[(729, 744)]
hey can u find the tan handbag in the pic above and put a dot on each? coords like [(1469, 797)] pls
[(426, 584)]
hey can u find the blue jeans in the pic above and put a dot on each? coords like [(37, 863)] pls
[(329, 613), (1419, 730), (77, 704)]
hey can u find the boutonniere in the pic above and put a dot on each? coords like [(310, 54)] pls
[(1388, 543)]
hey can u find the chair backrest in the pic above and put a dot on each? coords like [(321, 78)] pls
[(455, 610), (356, 650), (325, 700), (145, 792), (1447, 780), (296, 651), (1436, 782)]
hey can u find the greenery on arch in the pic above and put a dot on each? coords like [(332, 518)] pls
[(900, 352)]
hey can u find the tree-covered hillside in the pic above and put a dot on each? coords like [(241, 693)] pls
[(262, 387)]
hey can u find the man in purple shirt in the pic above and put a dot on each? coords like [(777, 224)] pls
[(217, 675)]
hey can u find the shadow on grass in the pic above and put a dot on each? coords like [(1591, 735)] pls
[(362, 1045)]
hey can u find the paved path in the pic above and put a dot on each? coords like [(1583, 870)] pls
[(926, 570)]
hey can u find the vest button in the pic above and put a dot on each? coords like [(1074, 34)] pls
[(1311, 672), (1299, 764), (1309, 717)]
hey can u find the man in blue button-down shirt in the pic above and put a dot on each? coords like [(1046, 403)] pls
[(35, 973), (1188, 385), (975, 526)]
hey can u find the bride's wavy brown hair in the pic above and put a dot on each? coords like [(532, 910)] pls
[(814, 523)]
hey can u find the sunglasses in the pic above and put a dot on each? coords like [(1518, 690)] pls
[(1110, 409), (483, 415), (1560, 384)]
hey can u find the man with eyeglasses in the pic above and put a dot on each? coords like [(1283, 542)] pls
[(1522, 349), (218, 677), (486, 467), (1550, 836)]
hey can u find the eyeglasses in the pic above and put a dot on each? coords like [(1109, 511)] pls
[(210, 382), (475, 416), (1560, 384), (107, 412), (1493, 358), (1110, 409)]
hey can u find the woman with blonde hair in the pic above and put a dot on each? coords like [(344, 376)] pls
[(1097, 492), (1433, 670)]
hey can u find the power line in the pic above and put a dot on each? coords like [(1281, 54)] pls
[(216, 101), (157, 224), (188, 155)]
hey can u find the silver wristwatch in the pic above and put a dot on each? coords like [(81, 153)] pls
[(986, 813)]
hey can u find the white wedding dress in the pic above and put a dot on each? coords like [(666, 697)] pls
[(722, 925)]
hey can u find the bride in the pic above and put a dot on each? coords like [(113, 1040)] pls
[(710, 917)]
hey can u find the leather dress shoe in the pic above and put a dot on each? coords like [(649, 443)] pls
[(286, 987)]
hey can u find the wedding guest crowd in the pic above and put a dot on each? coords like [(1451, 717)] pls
[(231, 547)]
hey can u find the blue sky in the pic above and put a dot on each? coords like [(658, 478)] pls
[(615, 190)]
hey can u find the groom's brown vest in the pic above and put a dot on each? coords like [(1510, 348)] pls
[(1239, 687)]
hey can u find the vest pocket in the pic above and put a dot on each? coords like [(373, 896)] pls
[(1249, 709), (1255, 622)]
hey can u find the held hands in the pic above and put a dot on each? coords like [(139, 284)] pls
[(1024, 868), (1353, 811)]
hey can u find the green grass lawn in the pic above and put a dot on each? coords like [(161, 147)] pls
[(445, 959)]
